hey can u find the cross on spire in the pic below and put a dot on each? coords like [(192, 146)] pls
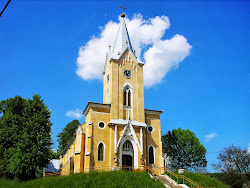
[(123, 8), (123, 15)]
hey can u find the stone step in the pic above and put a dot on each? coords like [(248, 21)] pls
[(168, 182)]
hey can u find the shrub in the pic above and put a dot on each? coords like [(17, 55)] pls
[(234, 180)]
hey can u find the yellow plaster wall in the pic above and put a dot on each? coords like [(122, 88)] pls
[(154, 139), (77, 163), (153, 116), (101, 135)]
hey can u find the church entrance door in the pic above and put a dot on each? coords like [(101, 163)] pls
[(127, 156)]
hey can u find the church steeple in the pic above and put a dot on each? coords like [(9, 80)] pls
[(122, 41), (123, 79)]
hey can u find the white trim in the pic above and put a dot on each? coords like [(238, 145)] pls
[(104, 146), (86, 139), (79, 133), (130, 86), (135, 149), (79, 129), (99, 112), (88, 153), (123, 122), (107, 96), (141, 140), (103, 123), (127, 107), (132, 131), (115, 137), (152, 128), (131, 101), (153, 151)]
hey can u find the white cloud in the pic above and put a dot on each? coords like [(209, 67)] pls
[(146, 36), (74, 113), (248, 149), (163, 56), (210, 136)]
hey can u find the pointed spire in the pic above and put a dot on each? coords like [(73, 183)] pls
[(122, 41)]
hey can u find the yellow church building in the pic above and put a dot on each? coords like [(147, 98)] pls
[(119, 132)]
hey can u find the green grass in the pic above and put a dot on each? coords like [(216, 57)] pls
[(202, 179), (117, 179)]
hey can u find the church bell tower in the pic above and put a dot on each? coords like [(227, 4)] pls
[(123, 78)]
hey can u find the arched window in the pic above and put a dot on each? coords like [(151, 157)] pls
[(127, 148), (127, 96), (151, 155), (100, 152)]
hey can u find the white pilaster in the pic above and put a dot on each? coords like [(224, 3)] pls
[(141, 140), (132, 109), (116, 134)]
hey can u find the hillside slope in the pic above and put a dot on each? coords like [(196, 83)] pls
[(92, 179), (205, 180)]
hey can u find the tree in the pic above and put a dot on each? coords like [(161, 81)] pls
[(233, 163), (233, 159), (184, 149), (25, 137), (66, 135)]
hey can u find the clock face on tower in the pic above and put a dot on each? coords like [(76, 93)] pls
[(127, 73)]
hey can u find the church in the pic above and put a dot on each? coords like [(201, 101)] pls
[(120, 132)]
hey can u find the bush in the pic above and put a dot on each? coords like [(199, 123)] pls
[(234, 180)]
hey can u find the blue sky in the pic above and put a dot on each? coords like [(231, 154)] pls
[(208, 92)]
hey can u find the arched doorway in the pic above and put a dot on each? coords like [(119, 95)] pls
[(127, 155)]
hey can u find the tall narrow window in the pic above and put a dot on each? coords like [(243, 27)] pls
[(124, 97), (127, 96), (151, 155), (100, 151)]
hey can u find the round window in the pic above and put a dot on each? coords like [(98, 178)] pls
[(101, 125), (150, 129)]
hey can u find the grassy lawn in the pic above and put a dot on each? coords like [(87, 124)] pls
[(203, 180), (117, 179)]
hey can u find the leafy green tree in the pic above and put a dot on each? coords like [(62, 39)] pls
[(66, 135), (55, 154), (25, 137), (184, 149)]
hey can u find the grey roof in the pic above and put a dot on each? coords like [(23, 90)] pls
[(94, 104), (158, 112), (122, 41)]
